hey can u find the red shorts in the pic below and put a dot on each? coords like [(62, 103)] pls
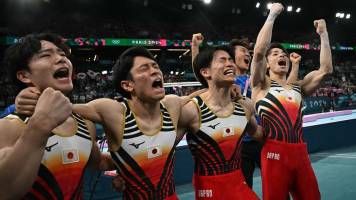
[(223, 187), (285, 169)]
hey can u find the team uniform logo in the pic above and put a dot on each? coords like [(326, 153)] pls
[(70, 156), (228, 131), (154, 151)]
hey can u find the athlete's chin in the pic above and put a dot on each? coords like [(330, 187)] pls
[(244, 67), (64, 88), (228, 82), (158, 96)]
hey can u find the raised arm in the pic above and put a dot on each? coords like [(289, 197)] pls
[(295, 60), (314, 79), (197, 39), (22, 145), (258, 65)]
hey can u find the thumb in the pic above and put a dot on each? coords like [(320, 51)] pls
[(34, 90)]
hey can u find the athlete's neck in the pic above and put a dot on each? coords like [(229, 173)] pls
[(241, 71), (217, 96), (145, 109), (279, 78)]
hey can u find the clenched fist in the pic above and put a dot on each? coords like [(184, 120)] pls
[(53, 108), (295, 58), (320, 26), (276, 9), (197, 39)]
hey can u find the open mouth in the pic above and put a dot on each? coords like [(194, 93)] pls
[(157, 83), (247, 61), (61, 73), (282, 63), (229, 72)]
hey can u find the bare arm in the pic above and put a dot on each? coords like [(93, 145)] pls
[(98, 160), (253, 129), (314, 79), (189, 119), (94, 110), (185, 99), (197, 39), (107, 112), (293, 75), (22, 145), (258, 65)]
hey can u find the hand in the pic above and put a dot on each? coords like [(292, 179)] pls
[(197, 39), (235, 92), (52, 108), (26, 101), (118, 183), (320, 26), (295, 58), (276, 9)]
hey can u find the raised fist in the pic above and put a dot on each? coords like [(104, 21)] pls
[(295, 58), (320, 26), (276, 9), (197, 39)]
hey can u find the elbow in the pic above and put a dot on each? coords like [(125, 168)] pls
[(328, 70)]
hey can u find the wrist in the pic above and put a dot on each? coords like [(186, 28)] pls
[(36, 132), (41, 123), (324, 34), (272, 16)]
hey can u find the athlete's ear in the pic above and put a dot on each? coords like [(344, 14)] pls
[(127, 85), (205, 72), (24, 76)]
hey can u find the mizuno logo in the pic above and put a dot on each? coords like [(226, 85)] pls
[(213, 126), (49, 148), (137, 145), (277, 90)]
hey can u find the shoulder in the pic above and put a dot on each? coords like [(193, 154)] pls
[(172, 102)]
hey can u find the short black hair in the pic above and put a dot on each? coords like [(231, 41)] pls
[(122, 67), (275, 45), (18, 56), (240, 42), (204, 59)]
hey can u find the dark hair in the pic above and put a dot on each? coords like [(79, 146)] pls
[(18, 56), (240, 42), (204, 59), (122, 67), (275, 45)]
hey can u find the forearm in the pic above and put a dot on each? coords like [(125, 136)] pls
[(265, 35), (325, 54), (195, 52), (20, 163), (88, 112), (293, 75), (258, 68)]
